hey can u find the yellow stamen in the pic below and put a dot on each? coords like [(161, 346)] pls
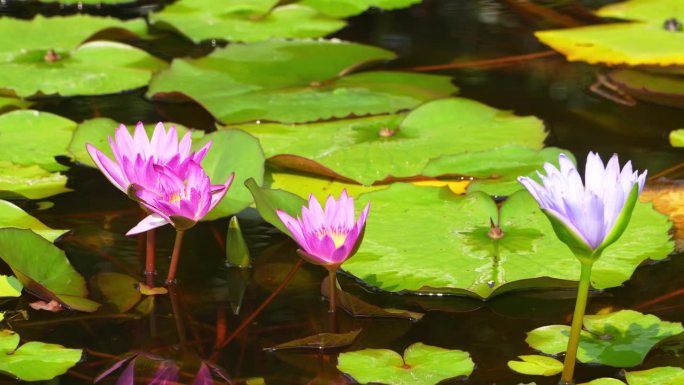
[(337, 237)]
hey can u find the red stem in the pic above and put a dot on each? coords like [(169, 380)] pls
[(150, 270), (171, 277)]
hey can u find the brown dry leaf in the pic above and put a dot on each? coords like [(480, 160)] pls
[(52, 306), (667, 197)]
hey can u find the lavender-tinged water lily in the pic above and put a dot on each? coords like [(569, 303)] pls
[(329, 236), (588, 217), (181, 196)]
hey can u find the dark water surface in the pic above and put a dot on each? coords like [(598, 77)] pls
[(435, 32)]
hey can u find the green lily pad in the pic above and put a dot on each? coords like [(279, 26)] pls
[(421, 365), (10, 286), (446, 248), (96, 131), (43, 269), (652, 87), (653, 11), (604, 381), (347, 8), (32, 182), (94, 68), (677, 138), (232, 151), (29, 137), (57, 33), (295, 81), (34, 361), (495, 171), (621, 339), (379, 148), (9, 104), (245, 21), (666, 375), (536, 365), (305, 185), (13, 216), (268, 201), (118, 290)]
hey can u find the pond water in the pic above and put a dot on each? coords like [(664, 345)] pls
[(212, 299)]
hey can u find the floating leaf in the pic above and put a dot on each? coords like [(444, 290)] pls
[(374, 149), (448, 249), (246, 21), (116, 289), (237, 252), (43, 269), (10, 104), (32, 182), (677, 138), (232, 151), (29, 137), (536, 365), (666, 375), (620, 339), (421, 365), (604, 381), (295, 81), (149, 290), (267, 201), (95, 68), (496, 170), (653, 11), (668, 198), (34, 361), (321, 341), (13, 216), (653, 87), (320, 187), (347, 8), (10, 286)]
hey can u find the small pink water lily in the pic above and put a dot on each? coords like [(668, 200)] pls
[(131, 151), (588, 216), (327, 237)]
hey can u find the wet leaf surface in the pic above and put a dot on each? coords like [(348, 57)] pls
[(32, 182)]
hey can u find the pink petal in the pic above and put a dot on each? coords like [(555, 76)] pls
[(199, 155), (140, 141), (110, 169), (150, 222)]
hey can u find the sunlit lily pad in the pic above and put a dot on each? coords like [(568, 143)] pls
[(29, 137), (444, 246), (295, 81), (620, 339), (245, 21), (43, 269), (60, 34), (421, 365), (346, 8), (374, 149), (13, 216), (10, 286), (95, 68), (536, 365), (653, 11), (652, 87), (304, 185), (34, 361), (677, 138), (31, 182), (603, 381), (666, 375)]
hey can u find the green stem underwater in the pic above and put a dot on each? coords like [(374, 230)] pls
[(171, 277), (576, 328), (332, 281)]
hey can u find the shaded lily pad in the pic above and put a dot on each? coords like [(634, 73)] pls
[(536, 365), (116, 289), (10, 286), (29, 137), (421, 365), (34, 361), (245, 21), (496, 171), (232, 151), (32, 182), (268, 201), (57, 33), (666, 375), (94, 68), (659, 88), (43, 269), (319, 341), (295, 81), (653, 11), (9, 104), (620, 339), (347, 8), (13, 216), (448, 250), (379, 148), (237, 252), (677, 138)]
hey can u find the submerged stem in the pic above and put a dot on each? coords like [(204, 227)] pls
[(171, 277), (576, 328), (150, 257), (332, 281)]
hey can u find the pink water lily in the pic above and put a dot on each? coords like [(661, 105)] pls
[(327, 236), (130, 151)]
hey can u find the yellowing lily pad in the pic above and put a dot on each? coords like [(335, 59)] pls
[(666, 375), (32, 182), (10, 286), (653, 11), (295, 81), (603, 381), (13, 216), (620, 339), (347, 8), (421, 365), (536, 365), (677, 138)]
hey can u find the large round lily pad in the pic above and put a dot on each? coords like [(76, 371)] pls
[(34, 361), (32, 182), (295, 81), (347, 8), (426, 239), (620, 339), (246, 21), (374, 149), (13, 216), (421, 365), (94, 68)]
